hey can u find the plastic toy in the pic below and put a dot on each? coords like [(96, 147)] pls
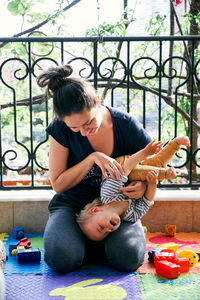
[(28, 256), (18, 233), (25, 242), (151, 253), (14, 252), (168, 256), (167, 269), (12, 247), (191, 255), (169, 246), (184, 264), (170, 230)]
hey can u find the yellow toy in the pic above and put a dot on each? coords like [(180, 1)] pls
[(191, 255), (169, 246)]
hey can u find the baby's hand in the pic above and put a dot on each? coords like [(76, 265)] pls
[(152, 176), (153, 147)]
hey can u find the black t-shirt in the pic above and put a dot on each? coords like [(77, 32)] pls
[(129, 137)]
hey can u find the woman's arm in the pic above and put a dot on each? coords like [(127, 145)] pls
[(150, 193), (63, 178)]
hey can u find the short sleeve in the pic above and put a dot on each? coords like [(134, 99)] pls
[(59, 131)]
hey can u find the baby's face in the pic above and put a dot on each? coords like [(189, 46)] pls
[(100, 224)]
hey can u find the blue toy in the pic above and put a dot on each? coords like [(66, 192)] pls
[(151, 253), (12, 247), (18, 233), (28, 256)]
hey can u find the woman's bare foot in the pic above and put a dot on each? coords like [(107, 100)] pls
[(170, 173), (182, 140)]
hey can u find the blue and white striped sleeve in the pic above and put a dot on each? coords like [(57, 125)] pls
[(137, 209), (110, 190)]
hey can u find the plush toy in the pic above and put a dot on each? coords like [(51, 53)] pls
[(157, 162)]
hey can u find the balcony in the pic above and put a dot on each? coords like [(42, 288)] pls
[(156, 79)]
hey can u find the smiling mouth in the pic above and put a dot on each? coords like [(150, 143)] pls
[(114, 223)]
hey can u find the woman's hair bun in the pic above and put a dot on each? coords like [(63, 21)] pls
[(64, 71), (54, 78)]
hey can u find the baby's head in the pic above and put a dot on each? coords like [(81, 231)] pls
[(97, 220)]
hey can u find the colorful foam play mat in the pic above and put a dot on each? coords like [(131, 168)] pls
[(36, 281)]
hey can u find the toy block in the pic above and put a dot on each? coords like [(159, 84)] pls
[(184, 264), (25, 242), (151, 253), (20, 248), (168, 256), (170, 230), (28, 256), (167, 269), (18, 233), (12, 247)]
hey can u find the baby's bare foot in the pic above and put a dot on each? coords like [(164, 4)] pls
[(182, 140), (171, 173)]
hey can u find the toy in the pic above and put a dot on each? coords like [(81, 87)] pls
[(169, 246), (18, 233), (28, 256), (145, 229), (25, 242), (184, 264), (170, 230), (168, 256), (167, 269), (191, 255), (14, 252), (12, 247), (151, 253)]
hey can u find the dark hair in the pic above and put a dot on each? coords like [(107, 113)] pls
[(70, 95)]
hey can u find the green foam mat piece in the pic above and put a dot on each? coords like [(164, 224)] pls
[(185, 287), (37, 242)]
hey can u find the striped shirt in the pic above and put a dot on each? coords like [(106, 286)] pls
[(110, 192)]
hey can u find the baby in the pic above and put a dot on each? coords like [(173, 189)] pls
[(2, 260), (157, 162), (104, 214)]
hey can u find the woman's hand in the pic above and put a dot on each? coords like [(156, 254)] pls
[(108, 164), (135, 189)]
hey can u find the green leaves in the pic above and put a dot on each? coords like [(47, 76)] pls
[(19, 7)]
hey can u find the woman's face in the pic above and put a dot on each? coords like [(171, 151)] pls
[(87, 121)]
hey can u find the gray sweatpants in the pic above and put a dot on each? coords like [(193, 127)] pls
[(66, 247)]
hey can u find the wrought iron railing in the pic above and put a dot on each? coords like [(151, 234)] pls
[(140, 75)]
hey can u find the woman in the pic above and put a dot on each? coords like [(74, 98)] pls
[(85, 139)]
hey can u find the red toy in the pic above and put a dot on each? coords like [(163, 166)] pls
[(164, 255), (25, 242), (184, 264), (167, 269)]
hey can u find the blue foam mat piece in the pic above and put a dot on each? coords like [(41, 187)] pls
[(13, 267)]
